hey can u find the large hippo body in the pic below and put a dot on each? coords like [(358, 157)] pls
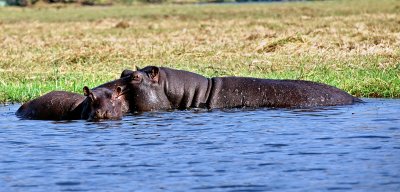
[(159, 88), (101, 103)]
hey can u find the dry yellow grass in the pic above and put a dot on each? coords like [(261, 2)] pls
[(350, 44)]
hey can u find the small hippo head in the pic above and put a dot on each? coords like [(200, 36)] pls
[(102, 103), (147, 89)]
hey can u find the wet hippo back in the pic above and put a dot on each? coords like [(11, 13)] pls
[(253, 92), (55, 105)]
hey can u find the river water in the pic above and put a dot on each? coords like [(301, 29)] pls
[(346, 148)]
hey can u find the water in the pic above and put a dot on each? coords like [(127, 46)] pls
[(347, 148)]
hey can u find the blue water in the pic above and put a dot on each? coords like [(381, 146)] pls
[(346, 148)]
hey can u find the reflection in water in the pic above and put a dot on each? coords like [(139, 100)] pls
[(344, 148)]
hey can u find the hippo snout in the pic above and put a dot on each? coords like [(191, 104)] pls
[(99, 114)]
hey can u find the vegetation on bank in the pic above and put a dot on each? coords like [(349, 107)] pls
[(126, 2), (353, 45)]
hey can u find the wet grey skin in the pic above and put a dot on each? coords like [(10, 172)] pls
[(101, 103), (160, 88)]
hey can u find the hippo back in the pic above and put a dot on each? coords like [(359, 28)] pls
[(254, 92), (55, 105)]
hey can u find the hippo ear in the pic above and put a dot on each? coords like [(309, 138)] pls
[(137, 68), (154, 74), (88, 93), (120, 90)]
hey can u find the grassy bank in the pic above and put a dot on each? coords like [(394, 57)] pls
[(353, 45)]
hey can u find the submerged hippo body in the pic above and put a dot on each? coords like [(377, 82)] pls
[(159, 88), (101, 103)]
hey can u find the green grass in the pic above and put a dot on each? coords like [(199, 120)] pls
[(353, 45)]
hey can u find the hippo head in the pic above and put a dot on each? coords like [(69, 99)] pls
[(128, 72), (147, 88), (102, 103)]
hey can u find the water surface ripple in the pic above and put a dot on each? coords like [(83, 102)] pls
[(346, 148)]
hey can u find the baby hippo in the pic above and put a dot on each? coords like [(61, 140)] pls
[(100, 103)]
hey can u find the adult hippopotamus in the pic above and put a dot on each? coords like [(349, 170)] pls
[(160, 88), (100, 103)]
